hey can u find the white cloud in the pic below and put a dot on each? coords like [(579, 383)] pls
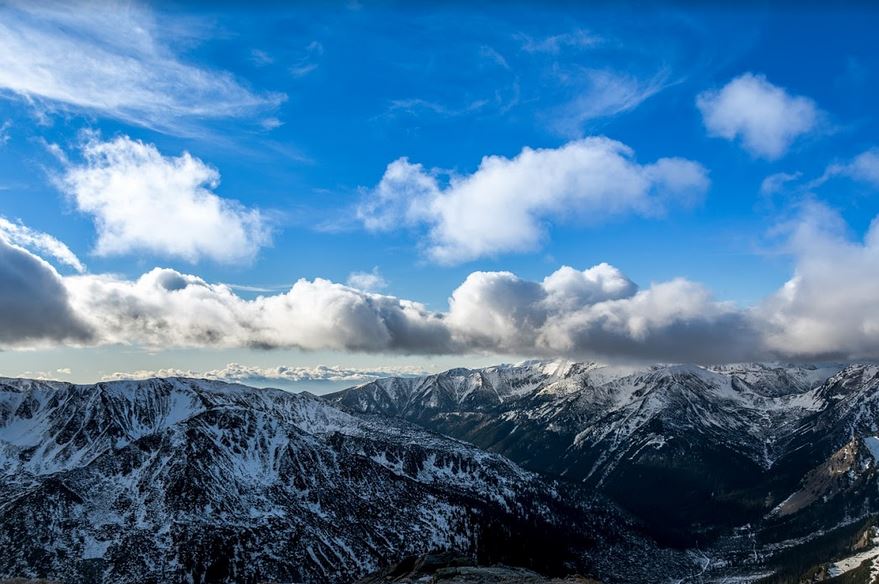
[(775, 183), (554, 44), (4, 132), (261, 58), (368, 281), (596, 313), (506, 204), (144, 201), (764, 117), (864, 168), (166, 308), (828, 309), (114, 59), (34, 306), (280, 375), (305, 63), (22, 235), (603, 94)]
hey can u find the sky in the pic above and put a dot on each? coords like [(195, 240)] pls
[(314, 195)]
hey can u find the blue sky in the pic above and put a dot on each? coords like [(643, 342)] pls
[(291, 118)]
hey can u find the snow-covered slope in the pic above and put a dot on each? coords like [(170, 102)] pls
[(198, 481), (746, 407), (690, 435)]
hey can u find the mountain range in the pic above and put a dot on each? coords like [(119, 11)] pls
[(779, 455), (662, 473)]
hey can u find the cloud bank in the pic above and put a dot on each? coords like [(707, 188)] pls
[(830, 307), (763, 117), (34, 304), (142, 200), (506, 204), (827, 310)]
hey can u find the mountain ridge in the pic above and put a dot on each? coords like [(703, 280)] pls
[(191, 480)]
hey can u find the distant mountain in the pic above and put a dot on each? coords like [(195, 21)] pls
[(769, 470), (179, 480), (685, 448)]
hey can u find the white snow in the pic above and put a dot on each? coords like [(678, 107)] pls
[(872, 444), (850, 563)]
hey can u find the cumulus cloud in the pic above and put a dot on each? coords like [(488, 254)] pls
[(369, 281), (113, 59), (34, 307), (593, 312), (22, 235), (765, 118), (598, 313), (142, 200), (166, 308), (828, 309), (505, 205)]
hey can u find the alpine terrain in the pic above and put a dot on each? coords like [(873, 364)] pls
[(180, 480), (545, 469), (769, 470)]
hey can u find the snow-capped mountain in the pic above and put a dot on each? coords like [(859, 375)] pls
[(678, 445), (747, 471), (771, 471), (179, 480)]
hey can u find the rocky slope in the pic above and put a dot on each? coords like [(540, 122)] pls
[(178, 480), (769, 470), (686, 448)]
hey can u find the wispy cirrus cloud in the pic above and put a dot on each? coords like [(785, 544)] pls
[(554, 44), (603, 94), (116, 60), (20, 234), (306, 62)]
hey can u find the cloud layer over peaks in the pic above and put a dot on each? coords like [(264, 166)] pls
[(596, 312), (826, 310), (505, 205)]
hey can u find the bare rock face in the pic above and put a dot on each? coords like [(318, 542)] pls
[(451, 568)]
